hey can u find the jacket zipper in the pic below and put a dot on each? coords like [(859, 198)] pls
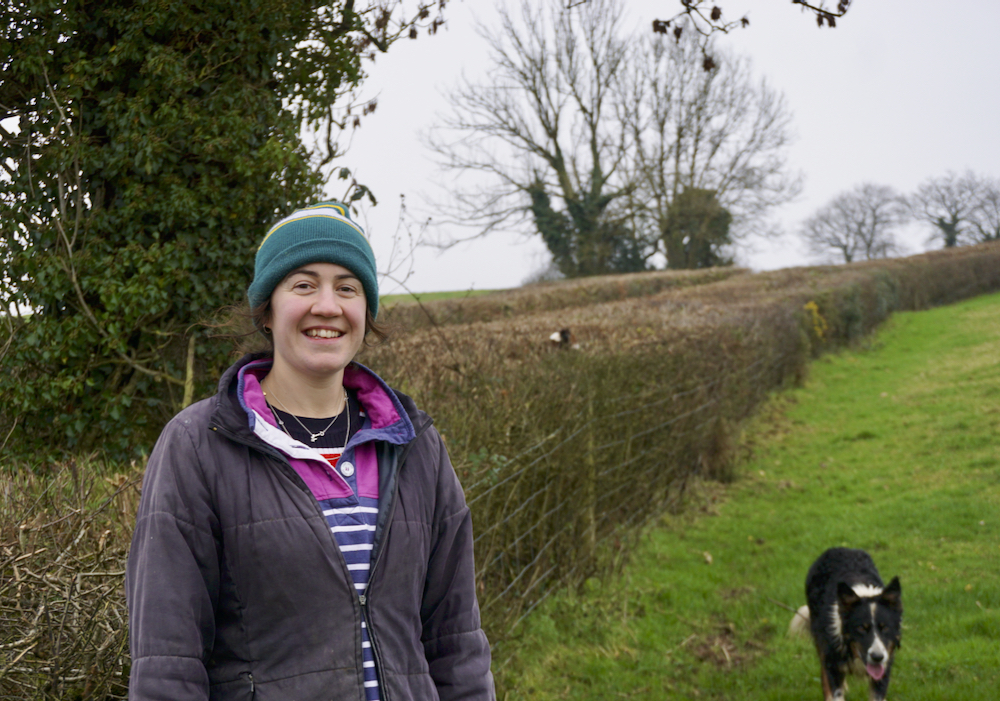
[(362, 597)]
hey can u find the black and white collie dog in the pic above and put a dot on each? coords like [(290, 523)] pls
[(855, 620)]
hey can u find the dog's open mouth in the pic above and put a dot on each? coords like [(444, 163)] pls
[(875, 671)]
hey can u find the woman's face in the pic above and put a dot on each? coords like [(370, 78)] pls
[(317, 320)]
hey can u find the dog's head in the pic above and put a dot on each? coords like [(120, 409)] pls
[(871, 623)]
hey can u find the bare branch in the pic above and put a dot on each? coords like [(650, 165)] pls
[(707, 22)]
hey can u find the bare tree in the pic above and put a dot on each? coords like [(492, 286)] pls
[(857, 224), (580, 134), (714, 130), (958, 207), (541, 133), (984, 222)]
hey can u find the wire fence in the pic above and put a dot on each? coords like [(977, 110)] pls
[(572, 500)]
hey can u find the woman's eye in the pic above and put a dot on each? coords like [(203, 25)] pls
[(348, 290)]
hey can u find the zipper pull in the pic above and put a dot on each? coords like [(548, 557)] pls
[(250, 679), (364, 599)]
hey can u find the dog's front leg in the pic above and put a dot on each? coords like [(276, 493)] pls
[(827, 691), (834, 688)]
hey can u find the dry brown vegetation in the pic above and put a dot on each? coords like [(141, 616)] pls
[(564, 453), (64, 536), (547, 296)]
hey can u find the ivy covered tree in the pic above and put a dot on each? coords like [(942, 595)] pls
[(584, 240), (145, 146), (541, 138), (960, 209), (696, 232)]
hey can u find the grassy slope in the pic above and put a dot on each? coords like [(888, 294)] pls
[(894, 448), (392, 300)]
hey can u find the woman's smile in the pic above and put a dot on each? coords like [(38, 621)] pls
[(324, 333)]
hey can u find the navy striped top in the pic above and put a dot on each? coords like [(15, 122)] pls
[(351, 518)]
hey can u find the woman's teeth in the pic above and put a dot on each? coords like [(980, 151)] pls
[(324, 333)]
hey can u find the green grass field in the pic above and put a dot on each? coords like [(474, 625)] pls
[(893, 447), (392, 300)]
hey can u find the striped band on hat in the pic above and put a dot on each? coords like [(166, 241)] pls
[(325, 209), (321, 233)]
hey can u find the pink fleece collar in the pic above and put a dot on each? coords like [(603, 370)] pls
[(386, 420)]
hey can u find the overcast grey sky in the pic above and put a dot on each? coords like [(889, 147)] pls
[(900, 91)]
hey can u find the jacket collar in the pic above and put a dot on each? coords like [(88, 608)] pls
[(240, 402)]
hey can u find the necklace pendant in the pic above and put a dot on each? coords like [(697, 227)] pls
[(314, 436)]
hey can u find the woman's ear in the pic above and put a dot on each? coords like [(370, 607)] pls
[(261, 318)]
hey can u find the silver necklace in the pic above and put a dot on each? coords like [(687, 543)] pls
[(312, 436)]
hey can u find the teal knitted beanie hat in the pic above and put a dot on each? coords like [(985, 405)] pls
[(321, 233)]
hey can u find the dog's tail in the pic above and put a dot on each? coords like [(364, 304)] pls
[(800, 623)]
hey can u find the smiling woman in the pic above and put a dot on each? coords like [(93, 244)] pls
[(304, 528)]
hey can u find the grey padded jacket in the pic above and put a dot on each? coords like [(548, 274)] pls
[(238, 590)]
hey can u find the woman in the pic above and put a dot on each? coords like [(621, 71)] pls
[(302, 534)]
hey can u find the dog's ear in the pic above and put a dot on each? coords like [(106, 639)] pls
[(846, 595), (892, 595)]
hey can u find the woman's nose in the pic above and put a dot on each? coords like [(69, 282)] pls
[(326, 303)]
